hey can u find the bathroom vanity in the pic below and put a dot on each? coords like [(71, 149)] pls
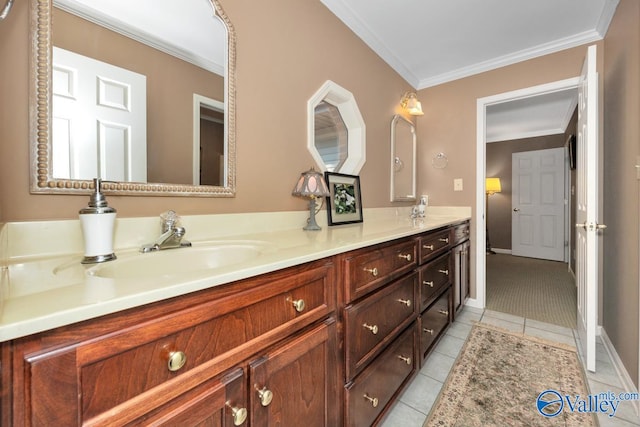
[(329, 340)]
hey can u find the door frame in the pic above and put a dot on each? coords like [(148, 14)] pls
[(481, 116)]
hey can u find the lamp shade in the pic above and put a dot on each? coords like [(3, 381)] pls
[(311, 185), (492, 185), (410, 102)]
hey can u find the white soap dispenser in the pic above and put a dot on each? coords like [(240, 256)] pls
[(97, 220)]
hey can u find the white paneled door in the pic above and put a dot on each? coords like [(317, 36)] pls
[(99, 120), (587, 226), (538, 204)]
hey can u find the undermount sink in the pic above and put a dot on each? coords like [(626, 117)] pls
[(174, 262)]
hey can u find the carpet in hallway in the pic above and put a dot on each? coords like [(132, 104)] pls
[(531, 288)]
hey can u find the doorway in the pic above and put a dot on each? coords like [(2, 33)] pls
[(481, 167)]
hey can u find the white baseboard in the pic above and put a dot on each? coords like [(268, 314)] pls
[(502, 251), (472, 302), (625, 379)]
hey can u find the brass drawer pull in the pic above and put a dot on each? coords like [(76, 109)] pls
[(428, 283), (239, 414), (444, 312), (265, 395), (444, 271), (372, 400), (405, 256), (299, 305), (406, 360), (177, 359), (429, 331), (430, 247), (444, 240), (406, 302), (373, 271), (372, 328)]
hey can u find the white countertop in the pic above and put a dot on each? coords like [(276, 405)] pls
[(47, 290)]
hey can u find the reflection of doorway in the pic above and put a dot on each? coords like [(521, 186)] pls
[(483, 170), (209, 148)]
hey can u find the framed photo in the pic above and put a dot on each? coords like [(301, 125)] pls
[(344, 204)]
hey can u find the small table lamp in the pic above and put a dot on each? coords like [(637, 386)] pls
[(311, 185)]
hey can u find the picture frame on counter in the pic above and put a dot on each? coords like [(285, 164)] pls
[(344, 203)]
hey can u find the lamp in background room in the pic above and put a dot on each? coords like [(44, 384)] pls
[(410, 103), (311, 185), (492, 186)]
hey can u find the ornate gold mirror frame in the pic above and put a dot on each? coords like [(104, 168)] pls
[(42, 180)]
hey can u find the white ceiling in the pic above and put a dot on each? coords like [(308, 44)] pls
[(429, 42)]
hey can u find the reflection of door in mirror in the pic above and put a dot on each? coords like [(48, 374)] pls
[(208, 142), (331, 137), (99, 120), (403, 159), (171, 83)]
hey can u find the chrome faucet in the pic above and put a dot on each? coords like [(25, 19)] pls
[(171, 236)]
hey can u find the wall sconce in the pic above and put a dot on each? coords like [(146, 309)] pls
[(491, 187), (410, 103), (311, 185)]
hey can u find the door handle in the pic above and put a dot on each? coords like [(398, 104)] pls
[(516, 209), (591, 226)]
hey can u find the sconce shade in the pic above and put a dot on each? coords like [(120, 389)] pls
[(410, 103), (311, 185), (493, 186)]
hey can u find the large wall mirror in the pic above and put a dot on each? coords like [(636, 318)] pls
[(140, 94), (336, 136), (403, 159)]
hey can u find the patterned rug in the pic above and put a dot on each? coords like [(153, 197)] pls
[(498, 377)]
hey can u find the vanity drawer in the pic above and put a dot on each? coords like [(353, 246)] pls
[(374, 321), (368, 269), (368, 395), (460, 233), (433, 244), (433, 277), (210, 337), (434, 321)]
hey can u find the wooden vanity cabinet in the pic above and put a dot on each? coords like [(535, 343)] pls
[(190, 360), (461, 255)]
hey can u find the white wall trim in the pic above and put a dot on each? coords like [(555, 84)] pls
[(621, 371)]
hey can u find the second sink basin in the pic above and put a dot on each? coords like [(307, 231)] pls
[(173, 262)]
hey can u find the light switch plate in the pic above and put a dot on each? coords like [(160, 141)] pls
[(457, 184)]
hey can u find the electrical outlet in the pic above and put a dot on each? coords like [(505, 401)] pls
[(457, 184)]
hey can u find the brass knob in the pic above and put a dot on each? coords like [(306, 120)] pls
[(429, 284), (372, 328), (372, 400), (429, 331), (239, 414), (444, 272), (405, 256), (444, 312), (298, 304), (430, 247), (406, 302), (177, 359), (373, 271), (406, 360), (265, 395), (444, 240)]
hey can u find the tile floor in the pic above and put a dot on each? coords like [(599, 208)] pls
[(414, 404)]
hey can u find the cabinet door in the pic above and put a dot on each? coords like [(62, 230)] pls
[(461, 283), (465, 261), (296, 383), (215, 403)]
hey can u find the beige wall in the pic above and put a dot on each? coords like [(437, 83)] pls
[(621, 197), (285, 51)]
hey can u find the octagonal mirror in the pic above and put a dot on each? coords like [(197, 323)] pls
[(335, 130)]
